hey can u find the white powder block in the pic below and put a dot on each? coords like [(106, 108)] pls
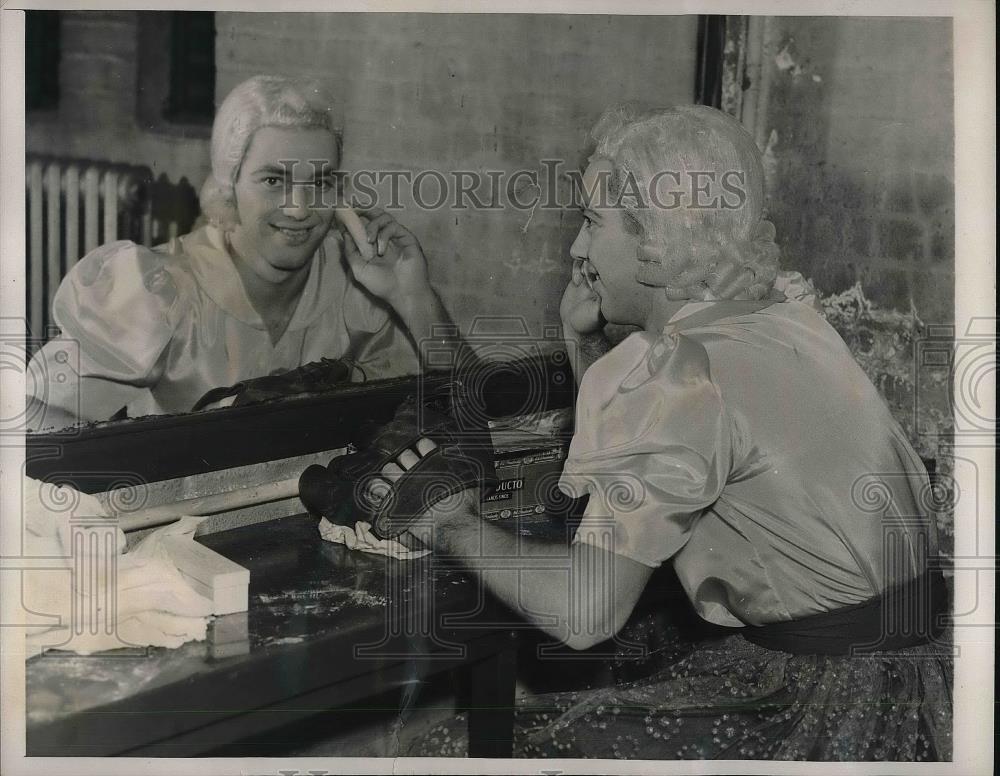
[(226, 583), (229, 636)]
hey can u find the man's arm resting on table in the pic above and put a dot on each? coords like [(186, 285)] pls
[(45, 417), (84, 400), (581, 595)]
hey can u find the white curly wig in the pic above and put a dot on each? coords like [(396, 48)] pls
[(261, 101), (692, 252)]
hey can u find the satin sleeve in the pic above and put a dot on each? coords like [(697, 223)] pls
[(379, 345), (117, 310), (652, 449)]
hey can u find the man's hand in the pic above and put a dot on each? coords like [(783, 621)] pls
[(456, 512), (580, 308), (398, 271), (582, 321)]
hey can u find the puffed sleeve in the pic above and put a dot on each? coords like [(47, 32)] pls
[(117, 310), (652, 448)]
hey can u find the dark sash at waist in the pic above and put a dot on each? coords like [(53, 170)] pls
[(906, 615)]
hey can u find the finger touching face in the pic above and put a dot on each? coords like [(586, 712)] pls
[(607, 248)]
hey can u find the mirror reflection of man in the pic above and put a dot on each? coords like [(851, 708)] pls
[(266, 286)]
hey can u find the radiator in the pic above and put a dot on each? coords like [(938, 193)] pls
[(72, 207)]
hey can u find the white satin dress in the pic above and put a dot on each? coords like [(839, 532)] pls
[(153, 330)]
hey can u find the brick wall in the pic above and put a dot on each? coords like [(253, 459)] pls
[(860, 130)]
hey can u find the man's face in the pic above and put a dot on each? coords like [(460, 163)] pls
[(281, 219), (611, 249)]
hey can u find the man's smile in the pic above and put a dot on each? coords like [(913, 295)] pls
[(294, 235)]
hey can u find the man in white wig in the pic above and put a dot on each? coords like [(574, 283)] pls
[(266, 286), (735, 438)]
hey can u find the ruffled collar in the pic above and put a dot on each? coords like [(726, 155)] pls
[(788, 286), (700, 313), (215, 273)]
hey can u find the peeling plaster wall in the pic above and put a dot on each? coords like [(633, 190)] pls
[(858, 134)]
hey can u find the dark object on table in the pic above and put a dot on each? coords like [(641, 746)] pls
[(93, 458), (310, 378), (463, 458)]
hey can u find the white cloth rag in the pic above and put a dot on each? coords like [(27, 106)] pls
[(93, 594), (362, 538)]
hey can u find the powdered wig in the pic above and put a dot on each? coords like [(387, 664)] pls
[(261, 101), (691, 251)]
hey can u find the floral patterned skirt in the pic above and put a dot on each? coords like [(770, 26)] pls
[(731, 699)]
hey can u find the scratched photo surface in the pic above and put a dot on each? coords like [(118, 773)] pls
[(204, 576)]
